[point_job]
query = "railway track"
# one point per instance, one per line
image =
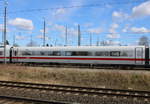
(23, 100)
(99, 92)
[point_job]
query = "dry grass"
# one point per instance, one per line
(91, 78)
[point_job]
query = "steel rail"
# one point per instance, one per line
(32, 100)
(80, 90)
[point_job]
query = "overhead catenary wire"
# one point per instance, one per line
(76, 6)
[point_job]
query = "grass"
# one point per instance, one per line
(139, 80)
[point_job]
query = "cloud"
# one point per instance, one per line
(64, 13)
(42, 37)
(125, 29)
(55, 27)
(60, 28)
(22, 23)
(141, 10)
(137, 11)
(87, 24)
(119, 15)
(139, 30)
(110, 42)
(73, 31)
(113, 36)
(95, 30)
(1, 27)
(113, 28)
(46, 30)
(59, 12)
(20, 37)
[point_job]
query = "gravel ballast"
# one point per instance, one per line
(66, 97)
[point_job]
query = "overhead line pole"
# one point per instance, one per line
(44, 34)
(31, 40)
(14, 39)
(5, 31)
(66, 37)
(79, 36)
(90, 39)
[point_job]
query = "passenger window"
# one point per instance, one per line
(24, 53)
(81, 53)
(68, 53)
(56, 53)
(50, 53)
(103, 53)
(124, 54)
(42, 53)
(115, 53)
(35, 53)
(139, 53)
(1, 52)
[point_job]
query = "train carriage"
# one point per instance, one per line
(112, 55)
(2, 53)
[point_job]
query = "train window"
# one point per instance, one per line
(139, 53)
(115, 53)
(83, 53)
(124, 53)
(68, 53)
(34, 53)
(78, 53)
(46, 53)
(50, 53)
(1, 52)
(56, 53)
(103, 53)
(42, 53)
(25, 53)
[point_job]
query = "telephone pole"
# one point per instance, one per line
(44, 34)
(5, 30)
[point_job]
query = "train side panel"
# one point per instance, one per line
(126, 55)
(2, 53)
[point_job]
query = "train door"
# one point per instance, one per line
(15, 55)
(147, 56)
(10, 55)
(139, 56)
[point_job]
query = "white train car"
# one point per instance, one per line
(118, 55)
(2, 53)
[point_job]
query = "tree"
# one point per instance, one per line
(144, 41)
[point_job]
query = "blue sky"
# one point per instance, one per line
(114, 22)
